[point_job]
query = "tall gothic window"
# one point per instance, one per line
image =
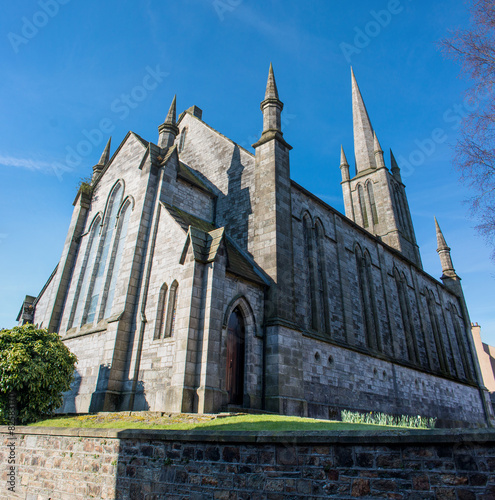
(116, 259)
(398, 206)
(96, 285)
(362, 205)
(310, 267)
(171, 310)
(407, 320)
(437, 333)
(182, 139)
(321, 292)
(366, 288)
(85, 276)
(460, 342)
(161, 319)
(371, 197)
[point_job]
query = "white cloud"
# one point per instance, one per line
(30, 164)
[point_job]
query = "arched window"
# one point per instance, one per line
(113, 271)
(460, 342)
(367, 292)
(406, 315)
(161, 313)
(236, 352)
(182, 139)
(437, 333)
(362, 206)
(171, 309)
(310, 269)
(103, 251)
(371, 197)
(321, 275)
(85, 276)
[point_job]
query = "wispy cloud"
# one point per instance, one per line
(27, 163)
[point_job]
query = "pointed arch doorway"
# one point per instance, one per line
(236, 335)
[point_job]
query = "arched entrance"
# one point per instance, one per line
(235, 358)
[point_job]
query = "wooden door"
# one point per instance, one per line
(235, 358)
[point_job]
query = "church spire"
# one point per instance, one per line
(168, 129)
(395, 167)
(271, 85)
(103, 160)
(363, 131)
(344, 165)
(444, 253)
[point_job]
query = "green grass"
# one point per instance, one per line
(241, 422)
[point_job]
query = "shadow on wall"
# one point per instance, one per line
(234, 208)
(99, 398)
(237, 203)
(140, 402)
(69, 404)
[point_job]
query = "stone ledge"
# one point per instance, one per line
(310, 437)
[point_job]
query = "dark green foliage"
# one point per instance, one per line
(35, 369)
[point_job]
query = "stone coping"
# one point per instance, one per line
(397, 437)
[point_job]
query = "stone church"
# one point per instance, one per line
(197, 276)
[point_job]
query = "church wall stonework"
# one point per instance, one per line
(332, 315)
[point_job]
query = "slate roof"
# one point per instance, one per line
(206, 239)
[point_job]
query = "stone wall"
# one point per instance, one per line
(79, 464)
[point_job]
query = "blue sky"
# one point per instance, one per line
(73, 71)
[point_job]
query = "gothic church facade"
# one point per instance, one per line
(199, 277)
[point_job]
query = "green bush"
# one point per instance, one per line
(35, 369)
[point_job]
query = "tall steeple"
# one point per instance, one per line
(375, 198)
(103, 160)
(444, 253)
(271, 246)
(364, 147)
(271, 206)
(168, 129)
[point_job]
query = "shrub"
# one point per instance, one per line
(35, 369)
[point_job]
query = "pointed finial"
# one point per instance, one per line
(168, 129)
(271, 108)
(376, 143)
(441, 243)
(380, 162)
(104, 159)
(271, 85)
(363, 131)
(344, 166)
(393, 162)
(395, 167)
(343, 159)
(172, 112)
(443, 251)
(106, 154)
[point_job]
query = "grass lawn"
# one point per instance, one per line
(240, 422)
